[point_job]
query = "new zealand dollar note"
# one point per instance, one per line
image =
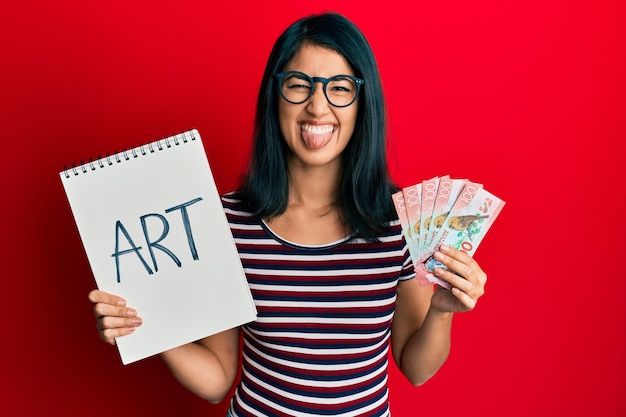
(412, 201)
(412, 198)
(447, 193)
(429, 195)
(465, 227)
(400, 205)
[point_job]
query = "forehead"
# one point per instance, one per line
(318, 61)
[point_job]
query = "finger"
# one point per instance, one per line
(110, 323)
(462, 264)
(456, 254)
(109, 335)
(454, 265)
(464, 298)
(455, 281)
(97, 296)
(102, 309)
(110, 328)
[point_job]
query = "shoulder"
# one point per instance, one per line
(231, 201)
(235, 210)
(394, 236)
(392, 230)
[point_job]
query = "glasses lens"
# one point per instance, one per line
(341, 90)
(296, 87)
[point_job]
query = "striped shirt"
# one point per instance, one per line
(320, 344)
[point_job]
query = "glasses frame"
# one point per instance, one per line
(279, 76)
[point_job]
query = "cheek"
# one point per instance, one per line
(348, 124)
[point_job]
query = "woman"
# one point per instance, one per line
(323, 252)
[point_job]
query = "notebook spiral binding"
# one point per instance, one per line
(125, 154)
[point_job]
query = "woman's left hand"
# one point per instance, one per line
(464, 275)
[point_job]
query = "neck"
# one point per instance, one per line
(314, 186)
(312, 215)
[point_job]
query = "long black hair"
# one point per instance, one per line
(365, 188)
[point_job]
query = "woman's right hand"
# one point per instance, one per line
(113, 318)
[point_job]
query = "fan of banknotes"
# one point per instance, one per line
(444, 211)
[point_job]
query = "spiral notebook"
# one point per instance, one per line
(155, 232)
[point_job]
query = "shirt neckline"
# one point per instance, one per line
(291, 244)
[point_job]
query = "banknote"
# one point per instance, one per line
(447, 193)
(400, 206)
(459, 216)
(412, 197)
(466, 195)
(469, 220)
(412, 202)
(429, 194)
(433, 200)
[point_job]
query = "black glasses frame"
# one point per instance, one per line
(357, 81)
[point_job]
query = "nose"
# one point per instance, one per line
(318, 105)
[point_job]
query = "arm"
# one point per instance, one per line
(423, 319)
(420, 335)
(207, 367)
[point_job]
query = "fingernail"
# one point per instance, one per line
(131, 313)
(130, 330)
(121, 303)
(137, 322)
(444, 248)
(438, 256)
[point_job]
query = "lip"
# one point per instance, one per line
(305, 125)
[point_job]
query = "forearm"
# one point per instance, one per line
(207, 371)
(428, 348)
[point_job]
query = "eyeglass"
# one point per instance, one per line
(297, 87)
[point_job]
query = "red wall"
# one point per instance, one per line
(525, 97)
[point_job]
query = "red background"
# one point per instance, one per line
(525, 97)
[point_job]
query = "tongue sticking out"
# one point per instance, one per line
(316, 138)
